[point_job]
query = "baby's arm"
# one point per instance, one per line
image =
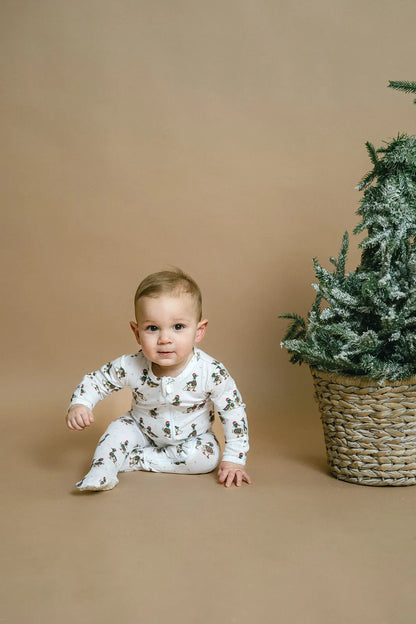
(79, 417)
(231, 411)
(93, 388)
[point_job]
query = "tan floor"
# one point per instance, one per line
(297, 546)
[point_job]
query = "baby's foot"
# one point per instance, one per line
(96, 483)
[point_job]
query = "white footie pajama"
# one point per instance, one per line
(124, 448)
(169, 426)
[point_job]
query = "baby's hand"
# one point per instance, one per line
(79, 417)
(228, 471)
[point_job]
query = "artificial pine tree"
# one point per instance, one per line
(364, 322)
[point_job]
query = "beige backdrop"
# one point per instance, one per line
(224, 137)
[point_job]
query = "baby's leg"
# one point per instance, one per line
(112, 454)
(196, 455)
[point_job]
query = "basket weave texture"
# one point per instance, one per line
(369, 428)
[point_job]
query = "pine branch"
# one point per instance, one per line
(403, 85)
(369, 177)
(372, 152)
(297, 329)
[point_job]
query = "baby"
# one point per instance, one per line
(175, 388)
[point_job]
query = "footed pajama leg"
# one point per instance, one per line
(112, 454)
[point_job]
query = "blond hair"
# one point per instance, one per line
(173, 282)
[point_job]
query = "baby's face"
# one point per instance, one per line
(167, 328)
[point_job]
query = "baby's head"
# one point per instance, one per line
(168, 308)
(174, 283)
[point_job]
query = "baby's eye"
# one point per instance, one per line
(179, 326)
(151, 328)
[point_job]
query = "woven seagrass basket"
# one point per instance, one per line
(369, 428)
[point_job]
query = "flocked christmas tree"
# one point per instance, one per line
(364, 322)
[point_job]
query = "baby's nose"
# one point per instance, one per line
(164, 337)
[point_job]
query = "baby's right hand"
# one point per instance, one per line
(79, 417)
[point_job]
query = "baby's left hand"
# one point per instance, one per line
(228, 472)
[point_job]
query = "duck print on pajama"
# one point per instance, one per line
(169, 425)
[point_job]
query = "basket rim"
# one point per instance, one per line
(360, 380)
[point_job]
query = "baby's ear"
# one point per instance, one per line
(200, 330)
(135, 330)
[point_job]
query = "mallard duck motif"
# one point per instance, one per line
(151, 384)
(237, 429)
(191, 385)
(108, 385)
(216, 378)
(150, 432)
(221, 370)
(224, 373)
(166, 430)
(195, 406)
(135, 456)
(97, 462)
(230, 405)
(208, 449)
(127, 420)
(137, 395)
(123, 447)
(236, 398)
(120, 372)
